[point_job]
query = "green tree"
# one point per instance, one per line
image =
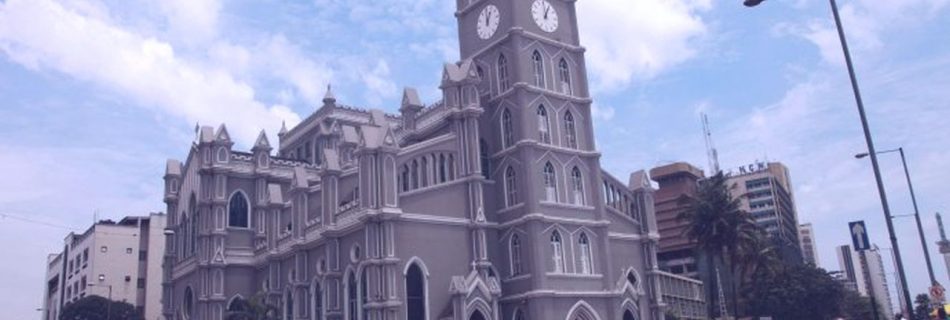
(720, 229)
(795, 292)
(856, 307)
(94, 307)
(922, 307)
(256, 308)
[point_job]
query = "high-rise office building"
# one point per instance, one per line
(806, 236)
(867, 273)
(677, 185)
(122, 259)
(765, 191)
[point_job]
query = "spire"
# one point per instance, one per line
(329, 98)
(283, 128)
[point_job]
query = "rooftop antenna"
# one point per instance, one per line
(711, 153)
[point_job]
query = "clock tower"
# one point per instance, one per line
(544, 185)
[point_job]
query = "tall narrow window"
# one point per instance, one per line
(538, 63)
(441, 168)
(519, 315)
(238, 213)
(317, 301)
(503, 84)
(188, 303)
(506, 129)
(557, 252)
(577, 186)
(570, 130)
(414, 174)
(485, 161)
(424, 179)
(451, 167)
(515, 255)
(564, 73)
(544, 126)
(584, 245)
(351, 301)
(364, 294)
(289, 305)
(195, 220)
(511, 188)
(405, 178)
(415, 293)
(550, 183)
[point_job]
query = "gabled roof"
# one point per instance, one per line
(640, 180)
(223, 134)
(261, 143)
(410, 98)
(173, 167)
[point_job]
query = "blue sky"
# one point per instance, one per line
(96, 94)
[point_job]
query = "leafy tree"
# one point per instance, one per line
(720, 229)
(256, 308)
(94, 307)
(856, 307)
(922, 307)
(795, 292)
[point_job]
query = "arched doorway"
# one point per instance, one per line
(627, 315)
(415, 293)
(477, 315)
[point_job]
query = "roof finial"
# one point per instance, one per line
(283, 128)
(329, 99)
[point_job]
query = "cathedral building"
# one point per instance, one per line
(488, 204)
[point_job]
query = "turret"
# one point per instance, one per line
(261, 151)
(222, 145)
(411, 106)
(172, 181)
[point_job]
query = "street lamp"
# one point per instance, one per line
(913, 198)
(102, 278)
(871, 151)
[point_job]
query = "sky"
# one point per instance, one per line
(95, 95)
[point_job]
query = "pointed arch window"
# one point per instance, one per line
(570, 130)
(352, 305)
(317, 301)
(628, 315)
(237, 305)
(557, 252)
(405, 178)
(544, 125)
(550, 183)
(424, 179)
(188, 303)
(516, 268)
(538, 64)
(415, 293)
(503, 84)
(511, 188)
(195, 220)
(414, 174)
(564, 73)
(506, 129)
(289, 305)
(577, 186)
(442, 168)
(583, 244)
(238, 212)
(485, 160)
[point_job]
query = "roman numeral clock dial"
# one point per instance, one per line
(544, 15)
(488, 21)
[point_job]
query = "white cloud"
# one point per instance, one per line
(193, 21)
(636, 40)
(44, 35)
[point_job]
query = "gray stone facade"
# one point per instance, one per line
(488, 204)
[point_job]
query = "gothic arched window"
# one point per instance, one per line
(565, 76)
(503, 84)
(317, 302)
(288, 305)
(442, 168)
(405, 178)
(585, 254)
(424, 179)
(352, 304)
(188, 303)
(506, 129)
(485, 160)
(544, 125)
(415, 293)
(414, 174)
(570, 130)
(515, 249)
(577, 186)
(511, 189)
(538, 63)
(557, 252)
(627, 315)
(550, 183)
(195, 220)
(238, 211)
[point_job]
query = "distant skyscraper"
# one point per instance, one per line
(867, 273)
(765, 191)
(806, 236)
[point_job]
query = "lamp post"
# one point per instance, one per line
(871, 151)
(109, 304)
(913, 198)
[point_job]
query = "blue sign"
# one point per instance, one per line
(859, 236)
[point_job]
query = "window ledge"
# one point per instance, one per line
(511, 208)
(566, 205)
(518, 277)
(573, 275)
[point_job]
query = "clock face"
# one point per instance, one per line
(544, 15)
(488, 21)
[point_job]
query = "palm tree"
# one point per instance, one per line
(718, 227)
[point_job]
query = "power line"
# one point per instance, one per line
(34, 221)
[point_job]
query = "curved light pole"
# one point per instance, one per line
(913, 198)
(109, 304)
(871, 151)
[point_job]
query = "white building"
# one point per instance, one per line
(123, 257)
(867, 272)
(806, 238)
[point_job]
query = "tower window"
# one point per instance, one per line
(565, 77)
(577, 186)
(515, 249)
(585, 254)
(238, 213)
(503, 84)
(538, 63)
(557, 252)
(570, 130)
(511, 190)
(317, 301)
(550, 183)
(351, 302)
(506, 128)
(544, 126)
(485, 161)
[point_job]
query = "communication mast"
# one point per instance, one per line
(711, 153)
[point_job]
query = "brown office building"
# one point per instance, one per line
(677, 183)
